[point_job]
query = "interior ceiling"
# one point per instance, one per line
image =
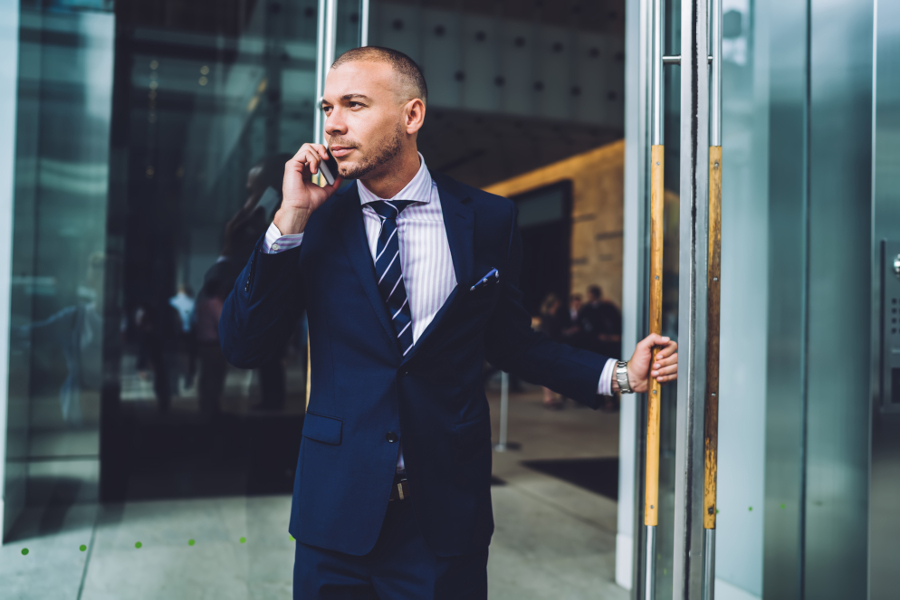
(607, 16)
(476, 148)
(226, 17)
(481, 149)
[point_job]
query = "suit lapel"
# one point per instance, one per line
(356, 243)
(459, 222)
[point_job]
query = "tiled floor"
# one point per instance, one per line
(552, 540)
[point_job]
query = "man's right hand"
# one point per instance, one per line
(301, 195)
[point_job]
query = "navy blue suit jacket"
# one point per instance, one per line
(362, 389)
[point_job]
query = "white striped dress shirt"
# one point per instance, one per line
(425, 258)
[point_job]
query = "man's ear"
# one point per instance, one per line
(414, 111)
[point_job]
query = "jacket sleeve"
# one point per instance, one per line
(261, 312)
(513, 346)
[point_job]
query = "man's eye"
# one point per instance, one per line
(326, 109)
(355, 104)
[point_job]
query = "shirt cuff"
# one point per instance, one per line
(604, 388)
(275, 242)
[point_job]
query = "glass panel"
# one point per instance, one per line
(121, 258)
(884, 519)
(348, 25)
(786, 296)
(211, 110)
(744, 293)
(59, 260)
(838, 422)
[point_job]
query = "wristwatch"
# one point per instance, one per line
(622, 378)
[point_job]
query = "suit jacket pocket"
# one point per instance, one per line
(322, 429)
(473, 454)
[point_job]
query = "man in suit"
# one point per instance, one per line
(409, 280)
(601, 320)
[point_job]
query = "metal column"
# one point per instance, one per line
(635, 278)
(325, 45)
(364, 23)
(692, 296)
(503, 444)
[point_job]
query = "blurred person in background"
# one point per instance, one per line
(575, 304)
(158, 329)
(78, 332)
(213, 366)
(574, 334)
(183, 303)
(556, 324)
(242, 232)
(601, 320)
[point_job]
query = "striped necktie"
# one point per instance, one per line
(387, 270)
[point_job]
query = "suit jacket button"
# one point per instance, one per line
(391, 437)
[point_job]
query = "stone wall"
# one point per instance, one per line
(597, 178)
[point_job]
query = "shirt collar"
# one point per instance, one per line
(417, 190)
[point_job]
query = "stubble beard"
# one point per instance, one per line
(388, 149)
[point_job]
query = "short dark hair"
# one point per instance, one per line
(594, 291)
(401, 63)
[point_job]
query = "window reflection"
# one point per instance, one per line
(77, 332)
(213, 115)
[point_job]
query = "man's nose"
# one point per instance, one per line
(335, 124)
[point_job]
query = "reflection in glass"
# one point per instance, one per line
(212, 109)
(59, 259)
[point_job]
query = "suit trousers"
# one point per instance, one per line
(399, 567)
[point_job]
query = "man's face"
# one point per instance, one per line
(365, 117)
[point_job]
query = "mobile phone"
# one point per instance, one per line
(329, 168)
(269, 201)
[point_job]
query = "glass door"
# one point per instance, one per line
(207, 112)
(526, 100)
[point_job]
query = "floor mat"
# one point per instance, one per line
(598, 475)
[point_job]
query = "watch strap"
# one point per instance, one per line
(622, 378)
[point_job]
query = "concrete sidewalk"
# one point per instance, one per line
(553, 539)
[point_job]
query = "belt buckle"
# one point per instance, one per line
(398, 488)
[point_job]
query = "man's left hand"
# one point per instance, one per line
(663, 369)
